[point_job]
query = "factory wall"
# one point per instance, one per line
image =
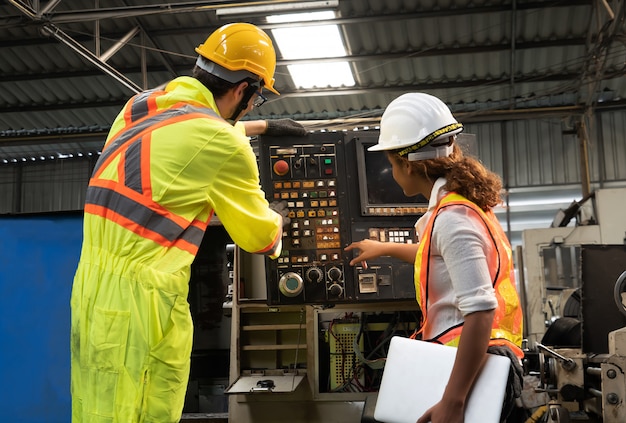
(539, 161)
(38, 258)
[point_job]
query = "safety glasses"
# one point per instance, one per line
(260, 99)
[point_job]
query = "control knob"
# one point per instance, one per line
(334, 274)
(314, 274)
(335, 290)
(290, 284)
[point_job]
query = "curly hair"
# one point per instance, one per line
(464, 175)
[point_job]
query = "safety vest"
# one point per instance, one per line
(126, 200)
(507, 323)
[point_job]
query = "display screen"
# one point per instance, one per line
(380, 194)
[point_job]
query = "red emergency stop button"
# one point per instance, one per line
(281, 167)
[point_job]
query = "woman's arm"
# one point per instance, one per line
(369, 249)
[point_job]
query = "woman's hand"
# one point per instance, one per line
(367, 249)
(443, 412)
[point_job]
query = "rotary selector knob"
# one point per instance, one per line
(334, 274)
(314, 274)
(335, 290)
(290, 284)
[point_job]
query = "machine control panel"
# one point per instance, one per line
(307, 176)
(319, 178)
(385, 278)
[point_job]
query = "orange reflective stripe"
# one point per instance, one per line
(158, 120)
(141, 219)
(136, 197)
(128, 201)
(452, 336)
(144, 164)
(141, 105)
(422, 266)
(271, 246)
(140, 230)
(505, 342)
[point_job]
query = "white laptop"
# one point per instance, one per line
(416, 374)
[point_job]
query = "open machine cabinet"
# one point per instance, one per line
(309, 330)
(305, 362)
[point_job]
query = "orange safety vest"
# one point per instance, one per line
(128, 201)
(507, 323)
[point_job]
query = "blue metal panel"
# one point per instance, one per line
(38, 258)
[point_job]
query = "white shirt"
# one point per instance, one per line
(461, 273)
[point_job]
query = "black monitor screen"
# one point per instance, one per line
(379, 192)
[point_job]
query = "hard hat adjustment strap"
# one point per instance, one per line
(439, 151)
(430, 137)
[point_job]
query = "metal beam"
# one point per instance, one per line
(48, 8)
(118, 45)
(61, 36)
(147, 36)
(453, 51)
(209, 6)
(28, 107)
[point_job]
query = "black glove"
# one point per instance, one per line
(516, 379)
(278, 127)
(280, 207)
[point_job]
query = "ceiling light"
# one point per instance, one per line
(312, 42)
(322, 75)
(275, 8)
(303, 42)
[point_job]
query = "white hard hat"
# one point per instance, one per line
(415, 120)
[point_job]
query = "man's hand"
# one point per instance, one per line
(282, 127)
(280, 207)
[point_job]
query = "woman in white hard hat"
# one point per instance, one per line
(464, 276)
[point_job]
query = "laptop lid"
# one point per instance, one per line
(415, 376)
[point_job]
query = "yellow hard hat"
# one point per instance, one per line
(242, 47)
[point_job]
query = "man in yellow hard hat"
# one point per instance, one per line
(172, 159)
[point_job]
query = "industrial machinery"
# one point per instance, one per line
(310, 332)
(337, 192)
(576, 314)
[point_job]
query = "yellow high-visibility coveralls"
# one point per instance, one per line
(169, 162)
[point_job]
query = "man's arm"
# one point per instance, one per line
(254, 127)
(274, 127)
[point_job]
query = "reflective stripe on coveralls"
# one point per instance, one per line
(131, 328)
(507, 322)
(128, 202)
(142, 104)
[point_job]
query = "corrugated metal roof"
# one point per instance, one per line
(478, 55)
